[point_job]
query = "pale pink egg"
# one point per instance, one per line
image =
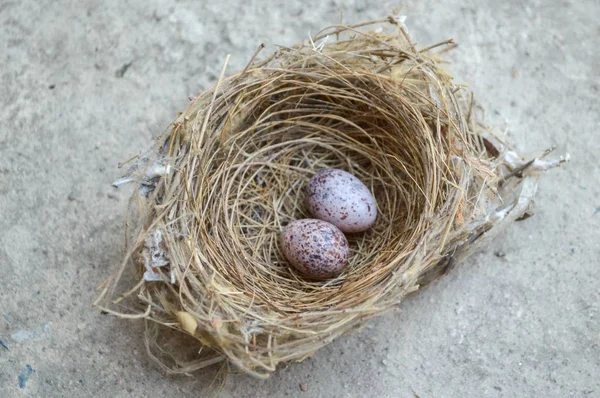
(315, 248)
(341, 199)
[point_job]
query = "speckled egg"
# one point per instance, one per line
(315, 248)
(340, 198)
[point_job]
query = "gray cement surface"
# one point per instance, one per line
(86, 84)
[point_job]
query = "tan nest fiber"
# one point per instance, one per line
(231, 172)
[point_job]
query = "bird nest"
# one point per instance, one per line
(231, 171)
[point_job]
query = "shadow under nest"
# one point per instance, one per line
(203, 256)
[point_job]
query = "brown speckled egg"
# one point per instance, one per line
(340, 198)
(315, 248)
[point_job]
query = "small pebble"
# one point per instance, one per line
(187, 322)
(24, 376)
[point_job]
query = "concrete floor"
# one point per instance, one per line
(521, 318)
